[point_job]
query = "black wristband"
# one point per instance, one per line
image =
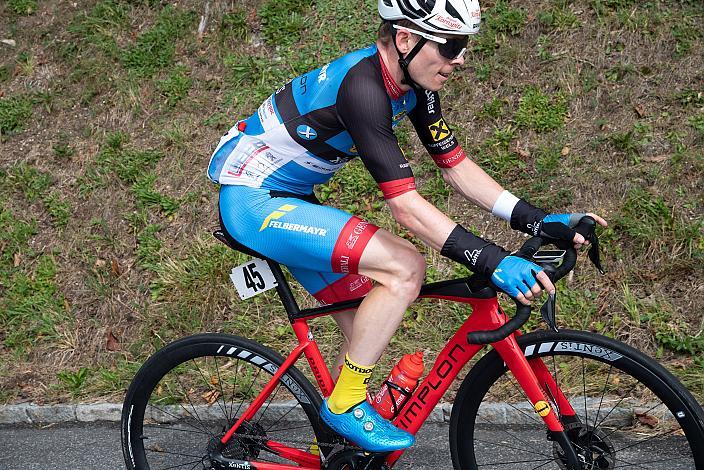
(477, 254)
(527, 218)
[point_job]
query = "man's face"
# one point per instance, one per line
(431, 70)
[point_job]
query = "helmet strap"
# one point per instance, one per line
(404, 61)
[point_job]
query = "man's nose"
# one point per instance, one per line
(459, 60)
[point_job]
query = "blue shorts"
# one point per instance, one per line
(321, 246)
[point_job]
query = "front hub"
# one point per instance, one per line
(593, 447)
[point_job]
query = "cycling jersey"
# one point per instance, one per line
(312, 126)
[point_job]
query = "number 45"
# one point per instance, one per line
(252, 278)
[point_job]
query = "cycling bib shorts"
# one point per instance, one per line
(320, 245)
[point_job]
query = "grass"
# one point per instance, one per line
(23, 7)
(111, 110)
(175, 86)
(155, 48)
(540, 111)
(129, 164)
(15, 112)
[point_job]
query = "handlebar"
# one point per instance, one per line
(586, 228)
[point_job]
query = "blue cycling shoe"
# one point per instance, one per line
(366, 428)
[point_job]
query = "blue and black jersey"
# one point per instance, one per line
(315, 124)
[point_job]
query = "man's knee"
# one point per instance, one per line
(408, 272)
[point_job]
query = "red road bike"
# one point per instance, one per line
(545, 400)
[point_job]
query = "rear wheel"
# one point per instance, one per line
(631, 412)
(188, 394)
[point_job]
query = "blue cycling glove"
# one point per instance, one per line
(515, 275)
(534, 221)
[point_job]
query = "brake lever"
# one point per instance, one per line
(593, 253)
(548, 312)
(587, 227)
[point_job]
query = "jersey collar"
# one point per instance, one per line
(392, 88)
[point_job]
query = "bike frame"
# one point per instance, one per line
(532, 376)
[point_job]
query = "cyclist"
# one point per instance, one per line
(309, 128)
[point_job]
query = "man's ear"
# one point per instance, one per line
(404, 41)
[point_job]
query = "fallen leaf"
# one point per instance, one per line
(565, 151)
(649, 420)
(17, 259)
(115, 268)
(657, 158)
(112, 343)
(9, 42)
(640, 110)
(211, 396)
(214, 380)
(99, 263)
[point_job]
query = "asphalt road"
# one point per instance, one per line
(97, 447)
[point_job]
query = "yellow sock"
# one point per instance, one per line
(351, 386)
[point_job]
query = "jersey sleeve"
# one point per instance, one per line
(364, 109)
(434, 131)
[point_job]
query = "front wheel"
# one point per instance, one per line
(630, 412)
(188, 394)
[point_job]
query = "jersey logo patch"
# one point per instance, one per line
(439, 130)
(277, 214)
(306, 132)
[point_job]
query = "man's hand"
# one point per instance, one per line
(561, 227)
(521, 279)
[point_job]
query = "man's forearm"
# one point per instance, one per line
(422, 218)
(473, 183)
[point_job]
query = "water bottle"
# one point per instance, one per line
(400, 384)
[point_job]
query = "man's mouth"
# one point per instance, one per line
(446, 75)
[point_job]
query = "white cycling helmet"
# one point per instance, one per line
(456, 17)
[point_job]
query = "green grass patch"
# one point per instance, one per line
(155, 48)
(493, 109)
(503, 18)
(233, 25)
(148, 247)
(283, 21)
(15, 112)
(128, 164)
(58, 208)
(147, 196)
(73, 381)
(685, 32)
(559, 17)
(100, 27)
(652, 223)
(32, 307)
(697, 123)
(541, 112)
(23, 7)
(175, 86)
(495, 155)
(253, 78)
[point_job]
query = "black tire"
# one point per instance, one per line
(194, 389)
(635, 413)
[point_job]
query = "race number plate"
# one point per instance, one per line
(252, 278)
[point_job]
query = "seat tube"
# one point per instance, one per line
(513, 356)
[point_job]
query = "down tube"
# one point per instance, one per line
(450, 361)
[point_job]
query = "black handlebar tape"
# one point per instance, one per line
(492, 336)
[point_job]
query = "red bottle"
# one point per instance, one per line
(405, 375)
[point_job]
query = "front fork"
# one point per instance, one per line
(530, 376)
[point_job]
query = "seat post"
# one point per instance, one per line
(284, 290)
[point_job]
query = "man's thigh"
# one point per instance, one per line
(319, 244)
